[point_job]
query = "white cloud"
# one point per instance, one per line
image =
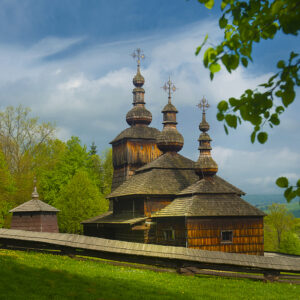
(89, 94)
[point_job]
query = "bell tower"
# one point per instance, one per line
(136, 145)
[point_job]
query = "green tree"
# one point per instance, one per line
(7, 189)
(245, 23)
(79, 199)
(278, 224)
(93, 149)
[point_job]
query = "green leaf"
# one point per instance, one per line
(262, 137)
(253, 135)
(201, 46)
(223, 5)
(282, 182)
(226, 129)
(281, 64)
(244, 62)
(223, 22)
(298, 183)
(209, 4)
(214, 68)
(274, 119)
(288, 194)
(222, 106)
(231, 120)
(279, 109)
(288, 96)
(220, 116)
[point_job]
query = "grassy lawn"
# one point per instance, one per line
(44, 276)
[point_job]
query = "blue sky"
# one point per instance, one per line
(70, 62)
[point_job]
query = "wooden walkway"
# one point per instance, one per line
(168, 256)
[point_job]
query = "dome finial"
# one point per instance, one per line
(170, 88)
(34, 194)
(138, 54)
(205, 166)
(138, 115)
(169, 140)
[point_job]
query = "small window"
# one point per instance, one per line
(169, 235)
(226, 236)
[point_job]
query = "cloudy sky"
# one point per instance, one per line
(69, 61)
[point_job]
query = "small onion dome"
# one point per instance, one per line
(138, 79)
(205, 166)
(169, 140)
(139, 115)
(169, 113)
(170, 108)
(203, 126)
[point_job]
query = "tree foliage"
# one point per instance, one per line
(29, 148)
(280, 230)
(78, 200)
(245, 23)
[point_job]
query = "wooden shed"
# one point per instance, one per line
(35, 215)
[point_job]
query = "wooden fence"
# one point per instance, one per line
(184, 260)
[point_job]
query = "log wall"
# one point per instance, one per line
(248, 234)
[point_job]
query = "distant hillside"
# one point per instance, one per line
(262, 202)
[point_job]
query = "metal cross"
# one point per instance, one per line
(138, 53)
(203, 104)
(170, 88)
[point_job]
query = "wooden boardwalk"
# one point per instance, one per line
(147, 253)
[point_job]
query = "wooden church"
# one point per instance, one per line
(161, 197)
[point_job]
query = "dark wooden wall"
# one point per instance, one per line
(248, 234)
(35, 221)
(119, 232)
(176, 224)
(129, 206)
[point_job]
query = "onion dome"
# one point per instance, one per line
(138, 115)
(169, 140)
(205, 165)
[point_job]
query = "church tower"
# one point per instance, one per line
(136, 145)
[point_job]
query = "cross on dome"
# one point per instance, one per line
(203, 104)
(170, 88)
(138, 53)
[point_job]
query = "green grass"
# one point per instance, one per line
(44, 276)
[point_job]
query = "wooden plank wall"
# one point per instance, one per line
(126, 206)
(35, 221)
(128, 156)
(152, 205)
(248, 234)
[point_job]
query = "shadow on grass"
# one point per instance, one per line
(19, 281)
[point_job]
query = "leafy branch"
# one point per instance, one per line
(245, 23)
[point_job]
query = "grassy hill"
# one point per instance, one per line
(43, 276)
(263, 201)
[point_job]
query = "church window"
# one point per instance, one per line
(169, 235)
(226, 236)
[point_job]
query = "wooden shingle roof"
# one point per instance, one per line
(167, 175)
(137, 132)
(209, 205)
(110, 218)
(211, 185)
(34, 206)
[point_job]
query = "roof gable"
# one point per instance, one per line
(34, 206)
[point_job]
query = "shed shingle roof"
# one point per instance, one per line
(167, 175)
(34, 206)
(110, 218)
(209, 205)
